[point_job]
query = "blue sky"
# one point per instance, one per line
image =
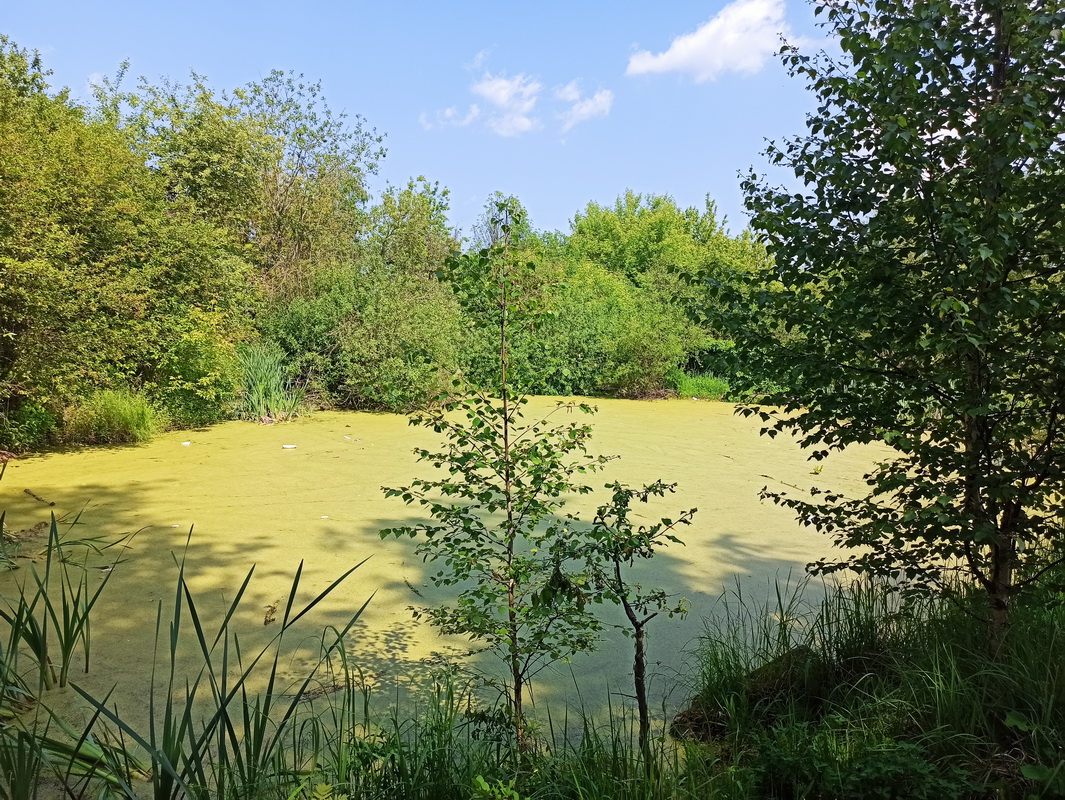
(557, 103)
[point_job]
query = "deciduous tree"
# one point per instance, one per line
(498, 530)
(919, 271)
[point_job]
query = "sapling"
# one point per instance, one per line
(498, 530)
(610, 551)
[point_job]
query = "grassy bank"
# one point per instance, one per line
(869, 695)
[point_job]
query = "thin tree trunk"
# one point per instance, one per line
(639, 675)
(517, 677)
(1003, 557)
(639, 665)
(518, 704)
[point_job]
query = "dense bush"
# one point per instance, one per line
(195, 379)
(28, 427)
(307, 327)
(400, 350)
(601, 335)
(374, 339)
(103, 282)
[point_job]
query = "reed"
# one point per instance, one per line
(267, 393)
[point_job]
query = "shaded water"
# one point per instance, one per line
(254, 502)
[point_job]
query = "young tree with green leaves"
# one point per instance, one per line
(920, 276)
(610, 550)
(498, 530)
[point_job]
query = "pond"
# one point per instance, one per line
(251, 498)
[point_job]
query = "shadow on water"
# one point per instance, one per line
(255, 503)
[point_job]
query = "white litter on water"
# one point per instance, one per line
(288, 447)
(347, 437)
(185, 444)
(323, 517)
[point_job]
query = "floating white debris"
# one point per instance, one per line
(185, 444)
(324, 517)
(348, 438)
(288, 447)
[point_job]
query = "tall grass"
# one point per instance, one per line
(114, 416)
(855, 693)
(267, 394)
(701, 387)
(864, 694)
(50, 624)
(324, 737)
(448, 746)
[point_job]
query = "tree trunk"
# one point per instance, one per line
(1000, 586)
(639, 675)
(517, 706)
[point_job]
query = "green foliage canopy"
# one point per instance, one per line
(101, 284)
(921, 273)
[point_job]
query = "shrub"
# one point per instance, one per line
(197, 376)
(373, 339)
(113, 416)
(653, 343)
(29, 427)
(400, 350)
(603, 335)
(307, 327)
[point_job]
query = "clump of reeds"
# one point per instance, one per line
(267, 393)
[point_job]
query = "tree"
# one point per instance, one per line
(208, 153)
(487, 230)
(612, 547)
(919, 273)
(314, 180)
(644, 234)
(270, 162)
(410, 230)
(498, 530)
(103, 284)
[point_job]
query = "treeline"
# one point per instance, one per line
(183, 255)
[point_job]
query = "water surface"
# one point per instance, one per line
(250, 501)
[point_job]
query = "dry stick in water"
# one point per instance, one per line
(37, 497)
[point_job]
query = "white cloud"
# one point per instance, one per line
(598, 105)
(449, 117)
(738, 39)
(569, 93)
(512, 100)
(507, 105)
(479, 59)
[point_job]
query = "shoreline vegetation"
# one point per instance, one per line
(847, 692)
(176, 255)
(173, 257)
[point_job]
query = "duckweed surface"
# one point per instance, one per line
(310, 490)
